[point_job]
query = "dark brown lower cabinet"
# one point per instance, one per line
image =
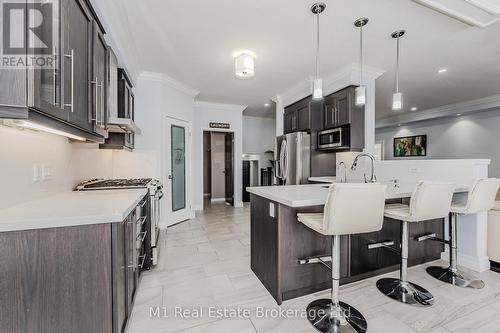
(278, 242)
(71, 279)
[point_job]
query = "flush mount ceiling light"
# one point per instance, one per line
(244, 64)
(397, 97)
(414, 108)
(361, 90)
(266, 105)
(442, 70)
(317, 9)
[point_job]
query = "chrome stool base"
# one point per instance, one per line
(347, 320)
(458, 278)
(405, 292)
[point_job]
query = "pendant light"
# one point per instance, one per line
(361, 90)
(317, 9)
(397, 98)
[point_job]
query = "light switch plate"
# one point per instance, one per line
(271, 209)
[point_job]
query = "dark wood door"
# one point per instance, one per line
(78, 28)
(288, 120)
(100, 69)
(329, 112)
(304, 118)
(119, 276)
(229, 166)
(45, 93)
(344, 107)
(131, 262)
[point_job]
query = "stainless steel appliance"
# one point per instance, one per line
(292, 158)
(155, 194)
(335, 138)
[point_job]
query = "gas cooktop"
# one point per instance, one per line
(104, 184)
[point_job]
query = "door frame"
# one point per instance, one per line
(174, 217)
(235, 161)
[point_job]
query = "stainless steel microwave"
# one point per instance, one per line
(335, 138)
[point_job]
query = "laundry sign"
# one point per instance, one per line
(220, 125)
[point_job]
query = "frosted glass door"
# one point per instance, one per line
(178, 163)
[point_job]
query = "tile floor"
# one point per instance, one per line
(205, 264)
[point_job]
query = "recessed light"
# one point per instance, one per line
(399, 125)
(459, 114)
(266, 105)
(442, 70)
(414, 108)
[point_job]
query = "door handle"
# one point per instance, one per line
(72, 93)
(54, 74)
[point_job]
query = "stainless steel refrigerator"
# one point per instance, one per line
(292, 155)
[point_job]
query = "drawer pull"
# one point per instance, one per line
(141, 220)
(380, 244)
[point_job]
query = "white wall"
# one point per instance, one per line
(157, 97)
(70, 163)
(258, 134)
(472, 136)
(215, 112)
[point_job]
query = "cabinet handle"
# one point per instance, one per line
(141, 220)
(102, 104)
(54, 73)
(72, 93)
(96, 92)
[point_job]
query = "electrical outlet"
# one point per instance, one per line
(271, 209)
(414, 170)
(46, 172)
(36, 172)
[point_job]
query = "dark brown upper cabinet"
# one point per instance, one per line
(100, 80)
(60, 96)
(297, 117)
(338, 108)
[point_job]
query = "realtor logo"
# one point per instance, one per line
(28, 33)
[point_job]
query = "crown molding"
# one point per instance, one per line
(219, 106)
(450, 110)
(163, 78)
(346, 76)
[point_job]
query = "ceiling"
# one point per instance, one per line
(193, 42)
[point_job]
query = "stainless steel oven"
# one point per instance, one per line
(335, 138)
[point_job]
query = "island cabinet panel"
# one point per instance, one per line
(264, 244)
(56, 280)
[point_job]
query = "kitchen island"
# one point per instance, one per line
(278, 240)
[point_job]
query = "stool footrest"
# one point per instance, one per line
(323, 260)
(431, 237)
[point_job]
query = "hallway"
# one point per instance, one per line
(205, 263)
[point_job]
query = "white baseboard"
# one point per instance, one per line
(238, 204)
(476, 264)
(217, 199)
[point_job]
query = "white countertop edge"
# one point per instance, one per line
(31, 223)
(260, 191)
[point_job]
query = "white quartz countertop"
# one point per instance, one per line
(71, 209)
(315, 194)
(325, 179)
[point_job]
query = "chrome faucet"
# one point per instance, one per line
(373, 178)
(345, 172)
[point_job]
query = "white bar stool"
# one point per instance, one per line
(481, 198)
(430, 200)
(349, 209)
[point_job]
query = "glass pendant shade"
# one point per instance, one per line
(318, 88)
(397, 101)
(244, 66)
(361, 95)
